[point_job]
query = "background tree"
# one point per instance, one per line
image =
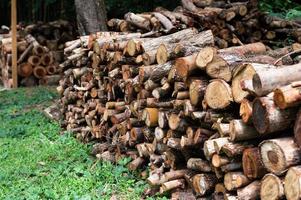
(91, 16)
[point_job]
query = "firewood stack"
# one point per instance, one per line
(40, 50)
(205, 122)
(232, 24)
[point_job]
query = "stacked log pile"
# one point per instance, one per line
(198, 121)
(40, 50)
(232, 23)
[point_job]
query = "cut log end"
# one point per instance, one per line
(162, 54)
(271, 188)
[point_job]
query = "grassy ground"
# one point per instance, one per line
(36, 162)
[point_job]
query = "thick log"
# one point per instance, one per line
(288, 96)
(252, 165)
(245, 72)
(239, 131)
(235, 180)
(271, 188)
(268, 118)
(266, 81)
(250, 192)
(47, 59)
(204, 183)
(167, 52)
(278, 155)
(218, 94)
(39, 72)
(25, 69)
(292, 183)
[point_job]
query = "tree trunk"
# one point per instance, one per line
(91, 16)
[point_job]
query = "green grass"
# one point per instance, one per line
(36, 162)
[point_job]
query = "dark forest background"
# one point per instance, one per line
(48, 10)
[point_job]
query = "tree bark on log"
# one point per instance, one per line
(268, 118)
(265, 82)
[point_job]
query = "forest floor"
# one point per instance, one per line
(37, 161)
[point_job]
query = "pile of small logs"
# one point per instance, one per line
(40, 50)
(198, 121)
(232, 24)
(53, 34)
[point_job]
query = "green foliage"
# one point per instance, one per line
(287, 9)
(39, 163)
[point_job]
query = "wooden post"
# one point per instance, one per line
(14, 42)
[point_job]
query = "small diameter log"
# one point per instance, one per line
(204, 183)
(204, 57)
(175, 122)
(252, 166)
(278, 155)
(150, 116)
(272, 187)
(34, 60)
(250, 192)
(222, 128)
(39, 72)
(239, 131)
(265, 82)
(156, 179)
(161, 91)
(170, 185)
(297, 129)
(47, 59)
(218, 160)
(51, 69)
(135, 164)
(218, 94)
(184, 66)
(246, 110)
(199, 165)
(51, 80)
(288, 96)
(268, 118)
(38, 50)
(235, 180)
(162, 119)
(231, 167)
(25, 69)
(292, 183)
(234, 149)
(197, 90)
(209, 148)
